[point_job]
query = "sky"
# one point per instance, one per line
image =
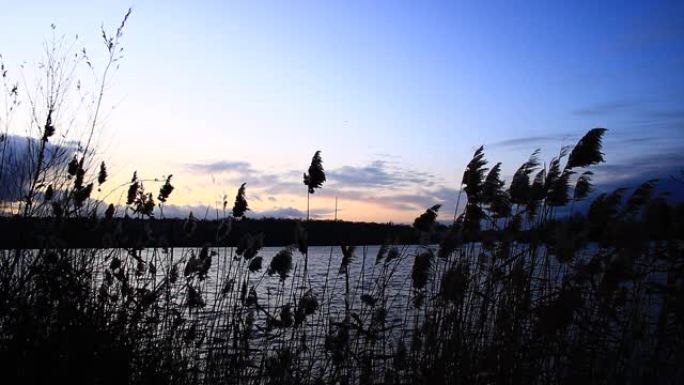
(396, 94)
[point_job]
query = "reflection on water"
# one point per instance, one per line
(229, 271)
(229, 285)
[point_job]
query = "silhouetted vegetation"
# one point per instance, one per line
(21, 232)
(521, 289)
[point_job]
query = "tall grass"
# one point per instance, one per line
(518, 290)
(515, 293)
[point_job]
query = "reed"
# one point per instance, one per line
(516, 291)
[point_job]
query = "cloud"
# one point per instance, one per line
(634, 155)
(389, 186)
(183, 211)
(292, 213)
(222, 166)
(664, 112)
(670, 114)
(19, 154)
(640, 167)
(635, 177)
(530, 142)
(383, 183)
(281, 212)
(259, 183)
(607, 108)
(404, 200)
(378, 173)
(210, 212)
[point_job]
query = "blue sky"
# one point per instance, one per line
(396, 94)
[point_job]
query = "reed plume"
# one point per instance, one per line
(422, 266)
(102, 174)
(520, 189)
(587, 152)
(583, 186)
(427, 219)
(493, 185)
(313, 179)
(132, 188)
(640, 197)
(281, 264)
(240, 206)
(316, 176)
(474, 174)
(165, 190)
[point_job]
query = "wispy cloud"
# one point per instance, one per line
(672, 114)
(222, 166)
(183, 211)
(658, 112)
(404, 200)
(281, 212)
(654, 165)
(210, 212)
(607, 108)
(383, 183)
(291, 212)
(379, 173)
(633, 155)
(530, 142)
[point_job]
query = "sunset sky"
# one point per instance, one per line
(396, 94)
